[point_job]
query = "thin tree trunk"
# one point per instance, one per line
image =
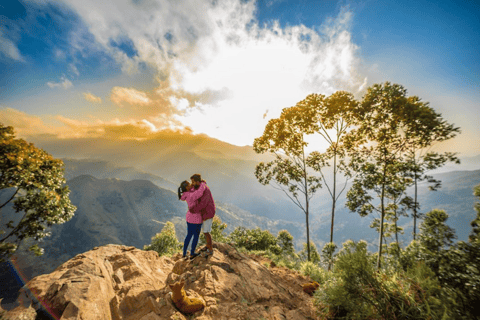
(308, 235)
(334, 200)
(380, 240)
(382, 199)
(306, 203)
(415, 208)
(334, 194)
(396, 229)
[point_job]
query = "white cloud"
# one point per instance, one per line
(64, 83)
(9, 49)
(73, 68)
(91, 97)
(204, 46)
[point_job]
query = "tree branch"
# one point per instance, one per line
(14, 230)
(3, 205)
(294, 200)
(346, 181)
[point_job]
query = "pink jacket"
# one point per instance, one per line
(191, 198)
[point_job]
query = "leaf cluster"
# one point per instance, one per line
(37, 190)
(165, 242)
(254, 239)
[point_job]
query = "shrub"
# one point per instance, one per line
(314, 256)
(285, 242)
(358, 291)
(315, 272)
(253, 239)
(165, 242)
(327, 254)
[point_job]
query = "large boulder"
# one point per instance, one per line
(118, 282)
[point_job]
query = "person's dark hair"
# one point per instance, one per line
(196, 177)
(182, 188)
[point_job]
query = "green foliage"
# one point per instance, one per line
(435, 233)
(385, 150)
(217, 233)
(455, 265)
(35, 183)
(327, 255)
(474, 237)
(316, 273)
(218, 228)
(285, 242)
(314, 255)
(290, 261)
(459, 275)
(289, 171)
(357, 291)
(254, 239)
(165, 242)
(333, 117)
(435, 237)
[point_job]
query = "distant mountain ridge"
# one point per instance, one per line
(101, 169)
(170, 159)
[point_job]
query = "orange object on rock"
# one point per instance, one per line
(185, 304)
(310, 287)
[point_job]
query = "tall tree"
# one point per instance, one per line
(422, 118)
(333, 117)
(34, 184)
(284, 137)
(379, 145)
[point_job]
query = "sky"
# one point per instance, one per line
(130, 68)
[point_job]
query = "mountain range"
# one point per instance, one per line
(175, 157)
(126, 191)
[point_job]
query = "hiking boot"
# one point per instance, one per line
(194, 255)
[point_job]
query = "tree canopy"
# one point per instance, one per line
(390, 126)
(285, 138)
(32, 186)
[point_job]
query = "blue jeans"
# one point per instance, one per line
(192, 230)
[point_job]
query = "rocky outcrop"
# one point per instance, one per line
(118, 282)
(111, 211)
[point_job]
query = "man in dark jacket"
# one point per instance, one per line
(206, 206)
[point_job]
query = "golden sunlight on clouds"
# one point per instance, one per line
(131, 96)
(24, 124)
(59, 127)
(91, 97)
(219, 69)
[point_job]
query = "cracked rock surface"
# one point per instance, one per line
(118, 282)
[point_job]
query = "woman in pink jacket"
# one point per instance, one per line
(187, 193)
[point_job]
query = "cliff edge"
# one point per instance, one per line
(118, 282)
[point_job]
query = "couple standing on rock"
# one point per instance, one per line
(201, 210)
